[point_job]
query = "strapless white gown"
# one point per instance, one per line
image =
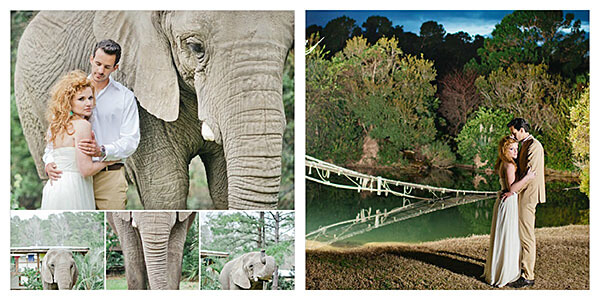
(502, 264)
(71, 191)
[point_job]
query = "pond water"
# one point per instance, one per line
(327, 205)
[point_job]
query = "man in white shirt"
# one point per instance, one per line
(115, 125)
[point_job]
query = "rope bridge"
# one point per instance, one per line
(366, 220)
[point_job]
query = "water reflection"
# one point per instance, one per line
(327, 205)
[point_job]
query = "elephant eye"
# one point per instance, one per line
(196, 48)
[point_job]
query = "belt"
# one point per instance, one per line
(113, 167)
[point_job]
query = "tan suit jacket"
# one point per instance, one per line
(531, 155)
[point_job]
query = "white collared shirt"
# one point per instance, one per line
(115, 122)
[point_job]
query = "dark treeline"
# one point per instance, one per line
(449, 51)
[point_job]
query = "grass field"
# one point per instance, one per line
(120, 283)
(563, 255)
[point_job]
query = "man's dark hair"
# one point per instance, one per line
(109, 47)
(519, 123)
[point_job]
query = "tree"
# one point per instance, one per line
(383, 92)
(537, 37)
(579, 136)
(458, 98)
(377, 27)
(544, 99)
(337, 31)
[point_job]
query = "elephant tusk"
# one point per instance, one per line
(207, 133)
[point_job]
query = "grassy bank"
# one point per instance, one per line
(562, 263)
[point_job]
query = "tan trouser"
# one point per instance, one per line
(527, 236)
(110, 189)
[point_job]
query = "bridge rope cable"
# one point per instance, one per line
(365, 221)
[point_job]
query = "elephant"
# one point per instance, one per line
(152, 244)
(59, 271)
(247, 272)
(208, 84)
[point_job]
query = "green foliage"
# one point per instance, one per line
(91, 270)
(579, 136)
(190, 266)
(332, 130)
(438, 154)
(369, 89)
(114, 259)
(480, 136)
(34, 279)
(544, 100)
(210, 273)
(60, 229)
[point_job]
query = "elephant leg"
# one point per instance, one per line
(135, 266)
(175, 253)
(216, 174)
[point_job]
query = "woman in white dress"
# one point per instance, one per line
(70, 109)
(502, 263)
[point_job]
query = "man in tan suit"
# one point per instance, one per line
(531, 156)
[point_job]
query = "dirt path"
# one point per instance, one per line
(562, 263)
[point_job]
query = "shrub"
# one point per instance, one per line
(579, 136)
(480, 136)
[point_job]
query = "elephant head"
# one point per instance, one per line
(152, 244)
(59, 270)
(232, 63)
(208, 83)
(248, 271)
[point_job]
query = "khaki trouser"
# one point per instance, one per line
(527, 235)
(110, 189)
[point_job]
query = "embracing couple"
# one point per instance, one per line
(511, 257)
(93, 128)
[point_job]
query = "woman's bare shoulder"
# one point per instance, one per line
(82, 126)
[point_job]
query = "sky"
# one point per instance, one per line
(474, 22)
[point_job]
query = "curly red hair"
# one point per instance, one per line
(503, 155)
(59, 111)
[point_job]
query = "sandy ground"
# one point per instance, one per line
(562, 263)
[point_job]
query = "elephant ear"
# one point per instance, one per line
(183, 215)
(46, 273)
(123, 215)
(74, 274)
(146, 57)
(239, 275)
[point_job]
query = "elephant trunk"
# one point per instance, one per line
(253, 155)
(63, 277)
(252, 123)
(154, 232)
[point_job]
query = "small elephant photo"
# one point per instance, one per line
(59, 270)
(247, 250)
(156, 250)
(56, 250)
(247, 272)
